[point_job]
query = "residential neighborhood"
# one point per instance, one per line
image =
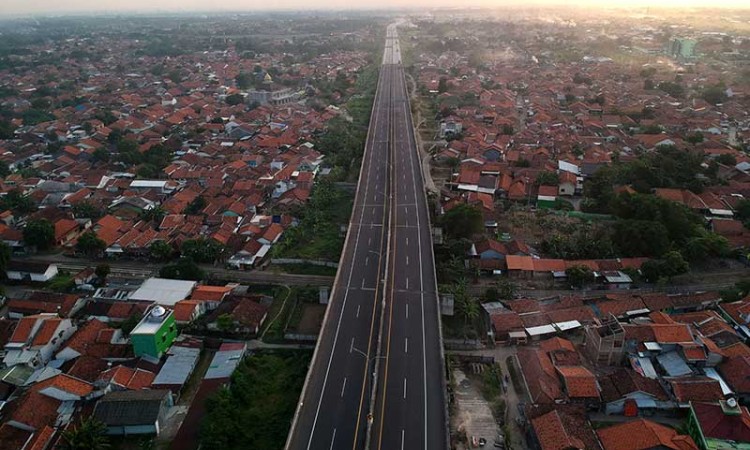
(178, 196)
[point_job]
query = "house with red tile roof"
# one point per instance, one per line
(123, 378)
(642, 434)
(96, 338)
(66, 231)
(719, 424)
(736, 372)
(561, 427)
(42, 404)
(579, 383)
(38, 302)
(695, 389)
(185, 311)
(36, 339)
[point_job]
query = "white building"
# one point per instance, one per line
(36, 339)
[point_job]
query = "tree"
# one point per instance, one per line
(463, 221)
(670, 265)
(155, 214)
(578, 276)
(705, 246)
(161, 251)
(641, 237)
(102, 271)
(671, 88)
(726, 159)
(202, 250)
(225, 322)
(443, 85)
(714, 94)
(39, 233)
(183, 269)
(86, 209)
(235, 99)
(467, 306)
(88, 435)
(695, 138)
(4, 169)
(16, 201)
(4, 258)
(547, 178)
(90, 244)
(195, 206)
(244, 80)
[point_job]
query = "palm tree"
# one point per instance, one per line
(466, 305)
(89, 435)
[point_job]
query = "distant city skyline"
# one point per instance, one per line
(20, 7)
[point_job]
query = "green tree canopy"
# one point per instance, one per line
(183, 269)
(235, 99)
(4, 258)
(87, 210)
(90, 244)
(641, 237)
(17, 202)
(547, 178)
(161, 251)
(202, 250)
(579, 275)
(102, 271)
(39, 233)
(463, 221)
(88, 435)
(670, 265)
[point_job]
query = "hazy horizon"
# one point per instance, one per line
(52, 7)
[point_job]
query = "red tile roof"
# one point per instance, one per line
(736, 372)
(552, 435)
(717, 425)
(696, 389)
(210, 293)
(579, 382)
(643, 434)
(46, 331)
(71, 385)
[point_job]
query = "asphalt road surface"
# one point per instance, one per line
(409, 410)
(381, 330)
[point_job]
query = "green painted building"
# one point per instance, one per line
(155, 333)
(720, 426)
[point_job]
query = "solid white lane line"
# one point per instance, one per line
(343, 386)
(404, 387)
(357, 315)
(333, 439)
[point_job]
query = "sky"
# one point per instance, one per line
(14, 7)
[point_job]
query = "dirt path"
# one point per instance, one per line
(512, 398)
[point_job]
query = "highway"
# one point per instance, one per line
(409, 409)
(377, 376)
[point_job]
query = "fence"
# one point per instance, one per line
(283, 261)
